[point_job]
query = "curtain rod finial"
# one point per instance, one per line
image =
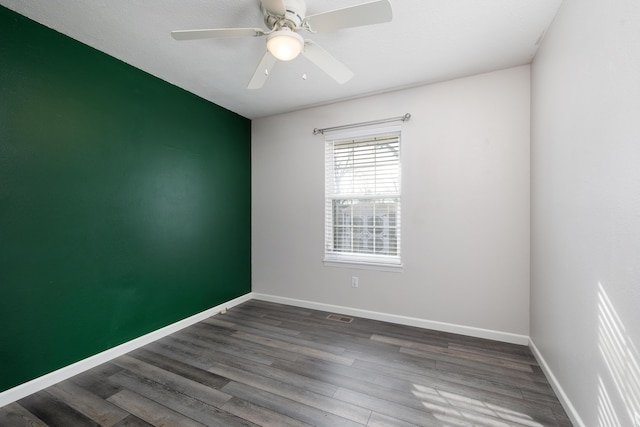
(317, 131)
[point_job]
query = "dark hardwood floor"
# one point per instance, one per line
(276, 365)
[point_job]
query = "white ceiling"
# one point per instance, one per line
(427, 41)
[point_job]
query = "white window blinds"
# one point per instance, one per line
(362, 198)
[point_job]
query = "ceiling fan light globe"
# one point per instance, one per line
(285, 44)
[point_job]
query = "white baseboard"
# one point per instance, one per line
(557, 388)
(35, 385)
(69, 371)
(402, 320)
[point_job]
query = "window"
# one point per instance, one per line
(362, 197)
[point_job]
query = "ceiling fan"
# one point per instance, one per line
(284, 19)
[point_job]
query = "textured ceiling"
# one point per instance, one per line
(427, 41)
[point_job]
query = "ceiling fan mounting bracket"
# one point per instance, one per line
(295, 11)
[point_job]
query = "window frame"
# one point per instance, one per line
(358, 259)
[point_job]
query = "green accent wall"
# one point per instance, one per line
(125, 202)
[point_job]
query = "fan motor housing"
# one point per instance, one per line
(295, 11)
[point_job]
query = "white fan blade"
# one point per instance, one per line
(216, 33)
(275, 7)
(262, 72)
(326, 62)
(374, 12)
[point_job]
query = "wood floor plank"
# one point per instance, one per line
(132, 421)
(259, 415)
(421, 383)
(289, 339)
(397, 360)
(453, 405)
(53, 412)
(14, 415)
(173, 381)
(381, 420)
(95, 380)
(207, 413)
(300, 392)
(273, 307)
(191, 357)
(385, 388)
(150, 411)
(383, 406)
(434, 353)
(417, 348)
(177, 367)
(266, 325)
(288, 407)
(412, 376)
(218, 321)
(256, 374)
(473, 382)
(87, 403)
(195, 352)
(295, 348)
(521, 357)
(277, 365)
(236, 346)
(505, 377)
(320, 324)
(463, 365)
(341, 376)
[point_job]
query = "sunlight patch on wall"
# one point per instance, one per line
(621, 358)
(606, 412)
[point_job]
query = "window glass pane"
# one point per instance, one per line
(365, 226)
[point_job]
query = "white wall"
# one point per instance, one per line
(465, 212)
(585, 298)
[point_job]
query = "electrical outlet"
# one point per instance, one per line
(354, 282)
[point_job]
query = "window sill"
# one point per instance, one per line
(396, 268)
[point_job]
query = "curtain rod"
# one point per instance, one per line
(372, 122)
